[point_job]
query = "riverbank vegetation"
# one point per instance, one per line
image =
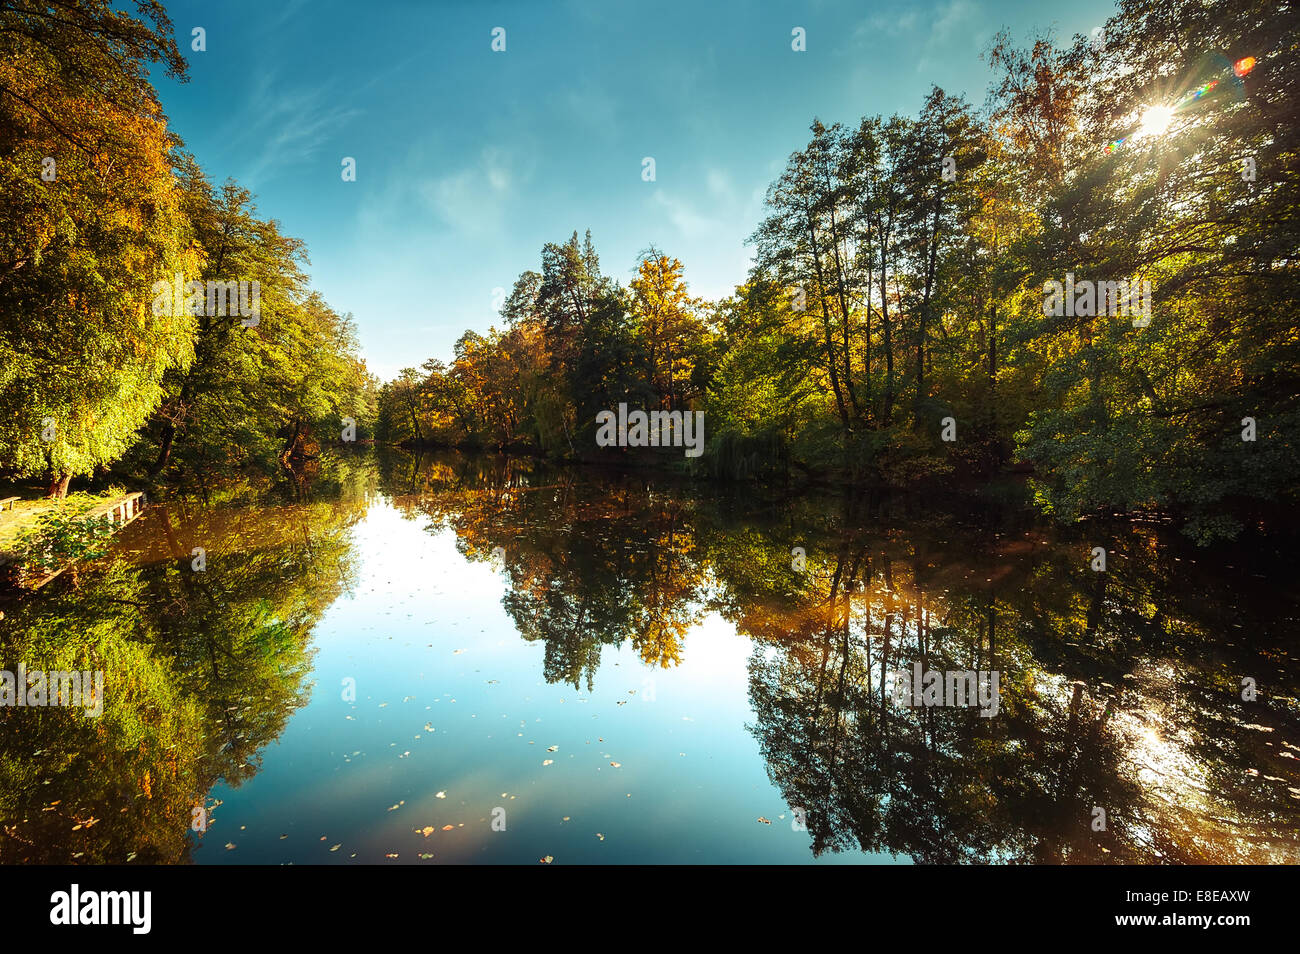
(893, 326)
(892, 329)
(99, 202)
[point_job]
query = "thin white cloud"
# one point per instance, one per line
(684, 216)
(288, 127)
(473, 200)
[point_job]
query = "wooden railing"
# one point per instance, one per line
(120, 511)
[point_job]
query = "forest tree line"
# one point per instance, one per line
(100, 201)
(898, 289)
(891, 329)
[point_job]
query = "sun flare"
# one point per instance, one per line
(1156, 120)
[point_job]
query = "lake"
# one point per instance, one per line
(481, 659)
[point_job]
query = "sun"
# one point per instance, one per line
(1156, 120)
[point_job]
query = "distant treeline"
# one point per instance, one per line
(894, 325)
(100, 209)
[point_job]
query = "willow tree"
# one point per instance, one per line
(90, 218)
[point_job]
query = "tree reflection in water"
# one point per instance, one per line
(1120, 691)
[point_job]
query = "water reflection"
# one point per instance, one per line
(204, 670)
(1121, 692)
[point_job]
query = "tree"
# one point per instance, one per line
(82, 353)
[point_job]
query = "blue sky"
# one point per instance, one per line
(468, 161)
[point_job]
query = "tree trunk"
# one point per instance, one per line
(889, 344)
(59, 485)
(165, 448)
(831, 363)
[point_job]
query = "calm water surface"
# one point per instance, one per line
(465, 659)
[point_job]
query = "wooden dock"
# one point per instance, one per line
(117, 513)
(120, 511)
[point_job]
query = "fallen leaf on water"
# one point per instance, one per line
(616, 764)
(544, 762)
(600, 836)
(546, 860)
(551, 748)
(440, 795)
(765, 821)
(336, 847)
(425, 855)
(391, 854)
(448, 827)
(230, 846)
